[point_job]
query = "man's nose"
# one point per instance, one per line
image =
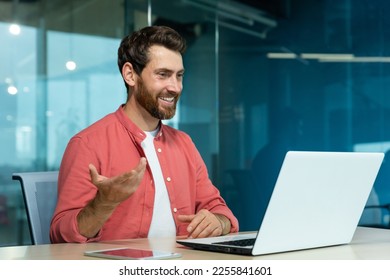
(175, 85)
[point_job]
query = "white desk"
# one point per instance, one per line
(367, 244)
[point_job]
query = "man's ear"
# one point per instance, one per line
(128, 74)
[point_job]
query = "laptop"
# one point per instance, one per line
(317, 201)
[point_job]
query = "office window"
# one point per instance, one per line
(57, 76)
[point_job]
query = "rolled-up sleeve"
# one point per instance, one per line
(75, 190)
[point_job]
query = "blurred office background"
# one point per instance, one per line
(262, 77)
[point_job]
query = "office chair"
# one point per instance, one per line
(40, 197)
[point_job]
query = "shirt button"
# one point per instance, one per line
(175, 209)
(168, 179)
(159, 150)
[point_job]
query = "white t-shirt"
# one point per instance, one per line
(162, 224)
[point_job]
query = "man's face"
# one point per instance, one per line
(159, 86)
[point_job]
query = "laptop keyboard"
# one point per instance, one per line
(241, 242)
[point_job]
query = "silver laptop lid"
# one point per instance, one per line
(317, 200)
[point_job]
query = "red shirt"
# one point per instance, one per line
(113, 145)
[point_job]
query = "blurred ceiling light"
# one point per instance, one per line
(385, 59)
(14, 29)
(70, 65)
(235, 11)
(330, 57)
(334, 56)
(12, 90)
(239, 13)
(282, 55)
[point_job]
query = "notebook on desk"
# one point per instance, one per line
(317, 201)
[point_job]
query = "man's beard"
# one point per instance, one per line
(150, 103)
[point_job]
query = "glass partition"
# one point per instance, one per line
(58, 75)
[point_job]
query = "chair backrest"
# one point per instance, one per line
(40, 196)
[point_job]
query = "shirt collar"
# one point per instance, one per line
(132, 127)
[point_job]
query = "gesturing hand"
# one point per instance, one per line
(111, 192)
(114, 190)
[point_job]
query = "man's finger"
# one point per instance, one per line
(137, 171)
(186, 218)
(141, 165)
(93, 172)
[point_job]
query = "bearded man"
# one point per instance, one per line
(130, 176)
